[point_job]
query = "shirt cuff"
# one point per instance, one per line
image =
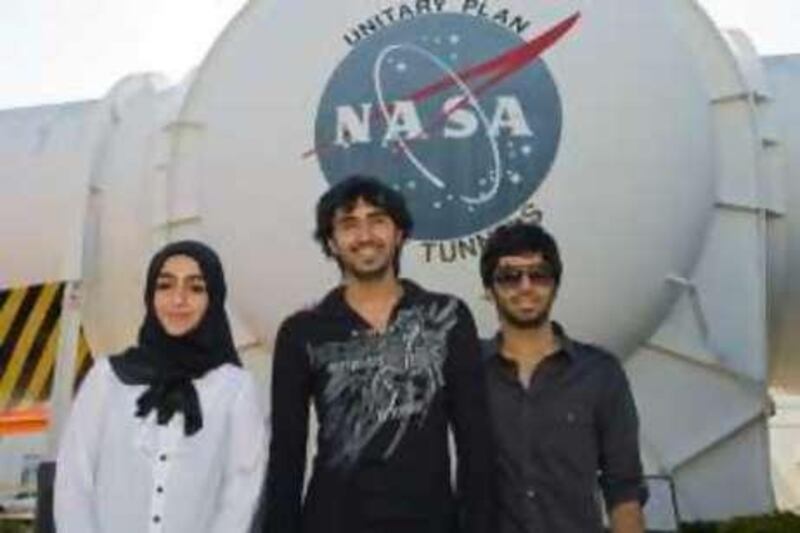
(618, 493)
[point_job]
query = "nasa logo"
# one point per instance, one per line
(456, 111)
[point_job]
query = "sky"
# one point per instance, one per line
(63, 50)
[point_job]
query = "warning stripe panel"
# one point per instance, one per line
(30, 322)
(24, 342)
(8, 312)
(44, 367)
(48, 324)
(21, 303)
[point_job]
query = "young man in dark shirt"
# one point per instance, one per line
(389, 367)
(563, 416)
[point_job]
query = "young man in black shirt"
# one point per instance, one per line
(562, 412)
(389, 367)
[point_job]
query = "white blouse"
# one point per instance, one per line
(117, 473)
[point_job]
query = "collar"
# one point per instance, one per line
(567, 345)
(334, 303)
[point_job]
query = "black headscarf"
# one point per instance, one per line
(168, 364)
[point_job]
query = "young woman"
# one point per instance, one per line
(167, 436)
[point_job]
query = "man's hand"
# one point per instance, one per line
(627, 517)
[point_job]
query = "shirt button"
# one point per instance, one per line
(530, 493)
(156, 519)
(162, 457)
(159, 489)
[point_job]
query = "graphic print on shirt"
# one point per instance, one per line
(380, 379)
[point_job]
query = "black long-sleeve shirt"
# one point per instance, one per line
(572, 430)
(384, 402)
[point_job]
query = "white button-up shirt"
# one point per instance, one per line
(117, 473)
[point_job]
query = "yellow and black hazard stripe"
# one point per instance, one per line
(30, 323)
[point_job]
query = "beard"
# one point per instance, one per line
(368, 275)
(525, 322)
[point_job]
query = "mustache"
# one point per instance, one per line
(367, 244)
(529, 293)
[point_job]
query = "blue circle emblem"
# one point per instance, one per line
(446, 109)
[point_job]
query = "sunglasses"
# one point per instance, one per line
(512, 277)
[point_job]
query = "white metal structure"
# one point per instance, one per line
(664, 195)
(783, 75)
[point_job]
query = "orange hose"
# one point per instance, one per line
(27, 420)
